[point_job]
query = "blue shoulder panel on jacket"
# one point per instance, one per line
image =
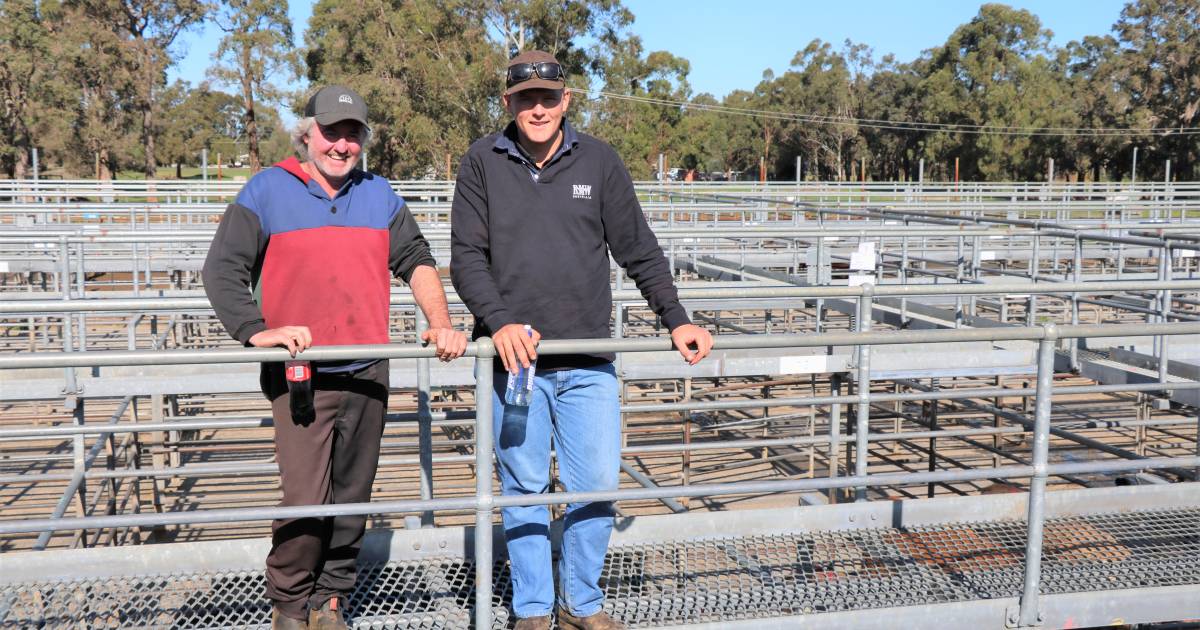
(284, 203)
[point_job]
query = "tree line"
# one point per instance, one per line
(85, 82)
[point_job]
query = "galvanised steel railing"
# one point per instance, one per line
(1170, 201)
(484, 503)
(1075, 291)
(1002, 190)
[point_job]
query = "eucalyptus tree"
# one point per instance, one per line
(27, 71)
(145, 31)
(1093, 75)
(995, 82)
(560, 27)
(256, 48)
(649, 95)
(428, 70)
(1159, 67)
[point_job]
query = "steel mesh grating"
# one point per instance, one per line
(678, 582)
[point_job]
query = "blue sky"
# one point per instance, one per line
(731, 42)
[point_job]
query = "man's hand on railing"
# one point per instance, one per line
(450, 343)
(688, 335)
(294, 338)
(516, 347)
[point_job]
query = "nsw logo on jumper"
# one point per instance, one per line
(581, 191)
(345, 98)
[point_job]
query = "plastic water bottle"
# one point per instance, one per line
(520, 385)
(299, 380)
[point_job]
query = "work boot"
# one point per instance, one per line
(280, 621)
(598, 621)
(328, 616)
(533, 623)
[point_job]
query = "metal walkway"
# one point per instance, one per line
(878, 564)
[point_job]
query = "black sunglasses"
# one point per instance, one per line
(522, 72)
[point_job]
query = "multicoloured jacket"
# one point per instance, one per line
(311, 260)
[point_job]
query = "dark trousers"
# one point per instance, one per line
(330, 460)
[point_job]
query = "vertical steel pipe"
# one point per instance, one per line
(958, 278)
(1076, 271)
(484, 503)
(68, 322)
(1164, 305)
(1035, 518)
(1031, 315)
(835, 432)
(863, 424)
(424, 423)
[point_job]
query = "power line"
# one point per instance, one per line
(905, 125)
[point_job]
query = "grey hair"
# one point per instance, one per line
(305, 125)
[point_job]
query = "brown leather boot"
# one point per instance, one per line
(598, 621)
(328, 616)
(280, 621)
(533, 623)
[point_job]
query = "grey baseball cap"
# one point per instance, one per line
(335, 103)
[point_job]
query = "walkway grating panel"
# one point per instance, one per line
(681, 582)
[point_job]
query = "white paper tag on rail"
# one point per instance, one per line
(810, 364)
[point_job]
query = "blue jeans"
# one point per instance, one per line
(580, 410)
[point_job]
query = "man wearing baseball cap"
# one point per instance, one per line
(537, 209)
(318, 242)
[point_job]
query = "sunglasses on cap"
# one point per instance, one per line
(548, 70)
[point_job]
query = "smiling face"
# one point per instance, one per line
(538, 113)
(333, 150)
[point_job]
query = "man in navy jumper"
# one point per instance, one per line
(319, 241)
(537, 210)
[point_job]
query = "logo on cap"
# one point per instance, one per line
(345, 98)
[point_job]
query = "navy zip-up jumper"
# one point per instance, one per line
(532, 246)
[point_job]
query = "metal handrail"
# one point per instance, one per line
(109, 305)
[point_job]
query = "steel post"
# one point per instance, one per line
(904, 276)
(863, 424)
(958, 279)
(1164, 305)
(835, 432)
(1030, 615)
(424, 423)
(1031, 314)
(1076, 271)
(484, 501)
(71, 388)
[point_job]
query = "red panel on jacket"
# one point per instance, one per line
(334, 280)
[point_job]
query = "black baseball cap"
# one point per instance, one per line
(335, 103)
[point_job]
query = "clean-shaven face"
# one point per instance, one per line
(335, 149)
(538, 112)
